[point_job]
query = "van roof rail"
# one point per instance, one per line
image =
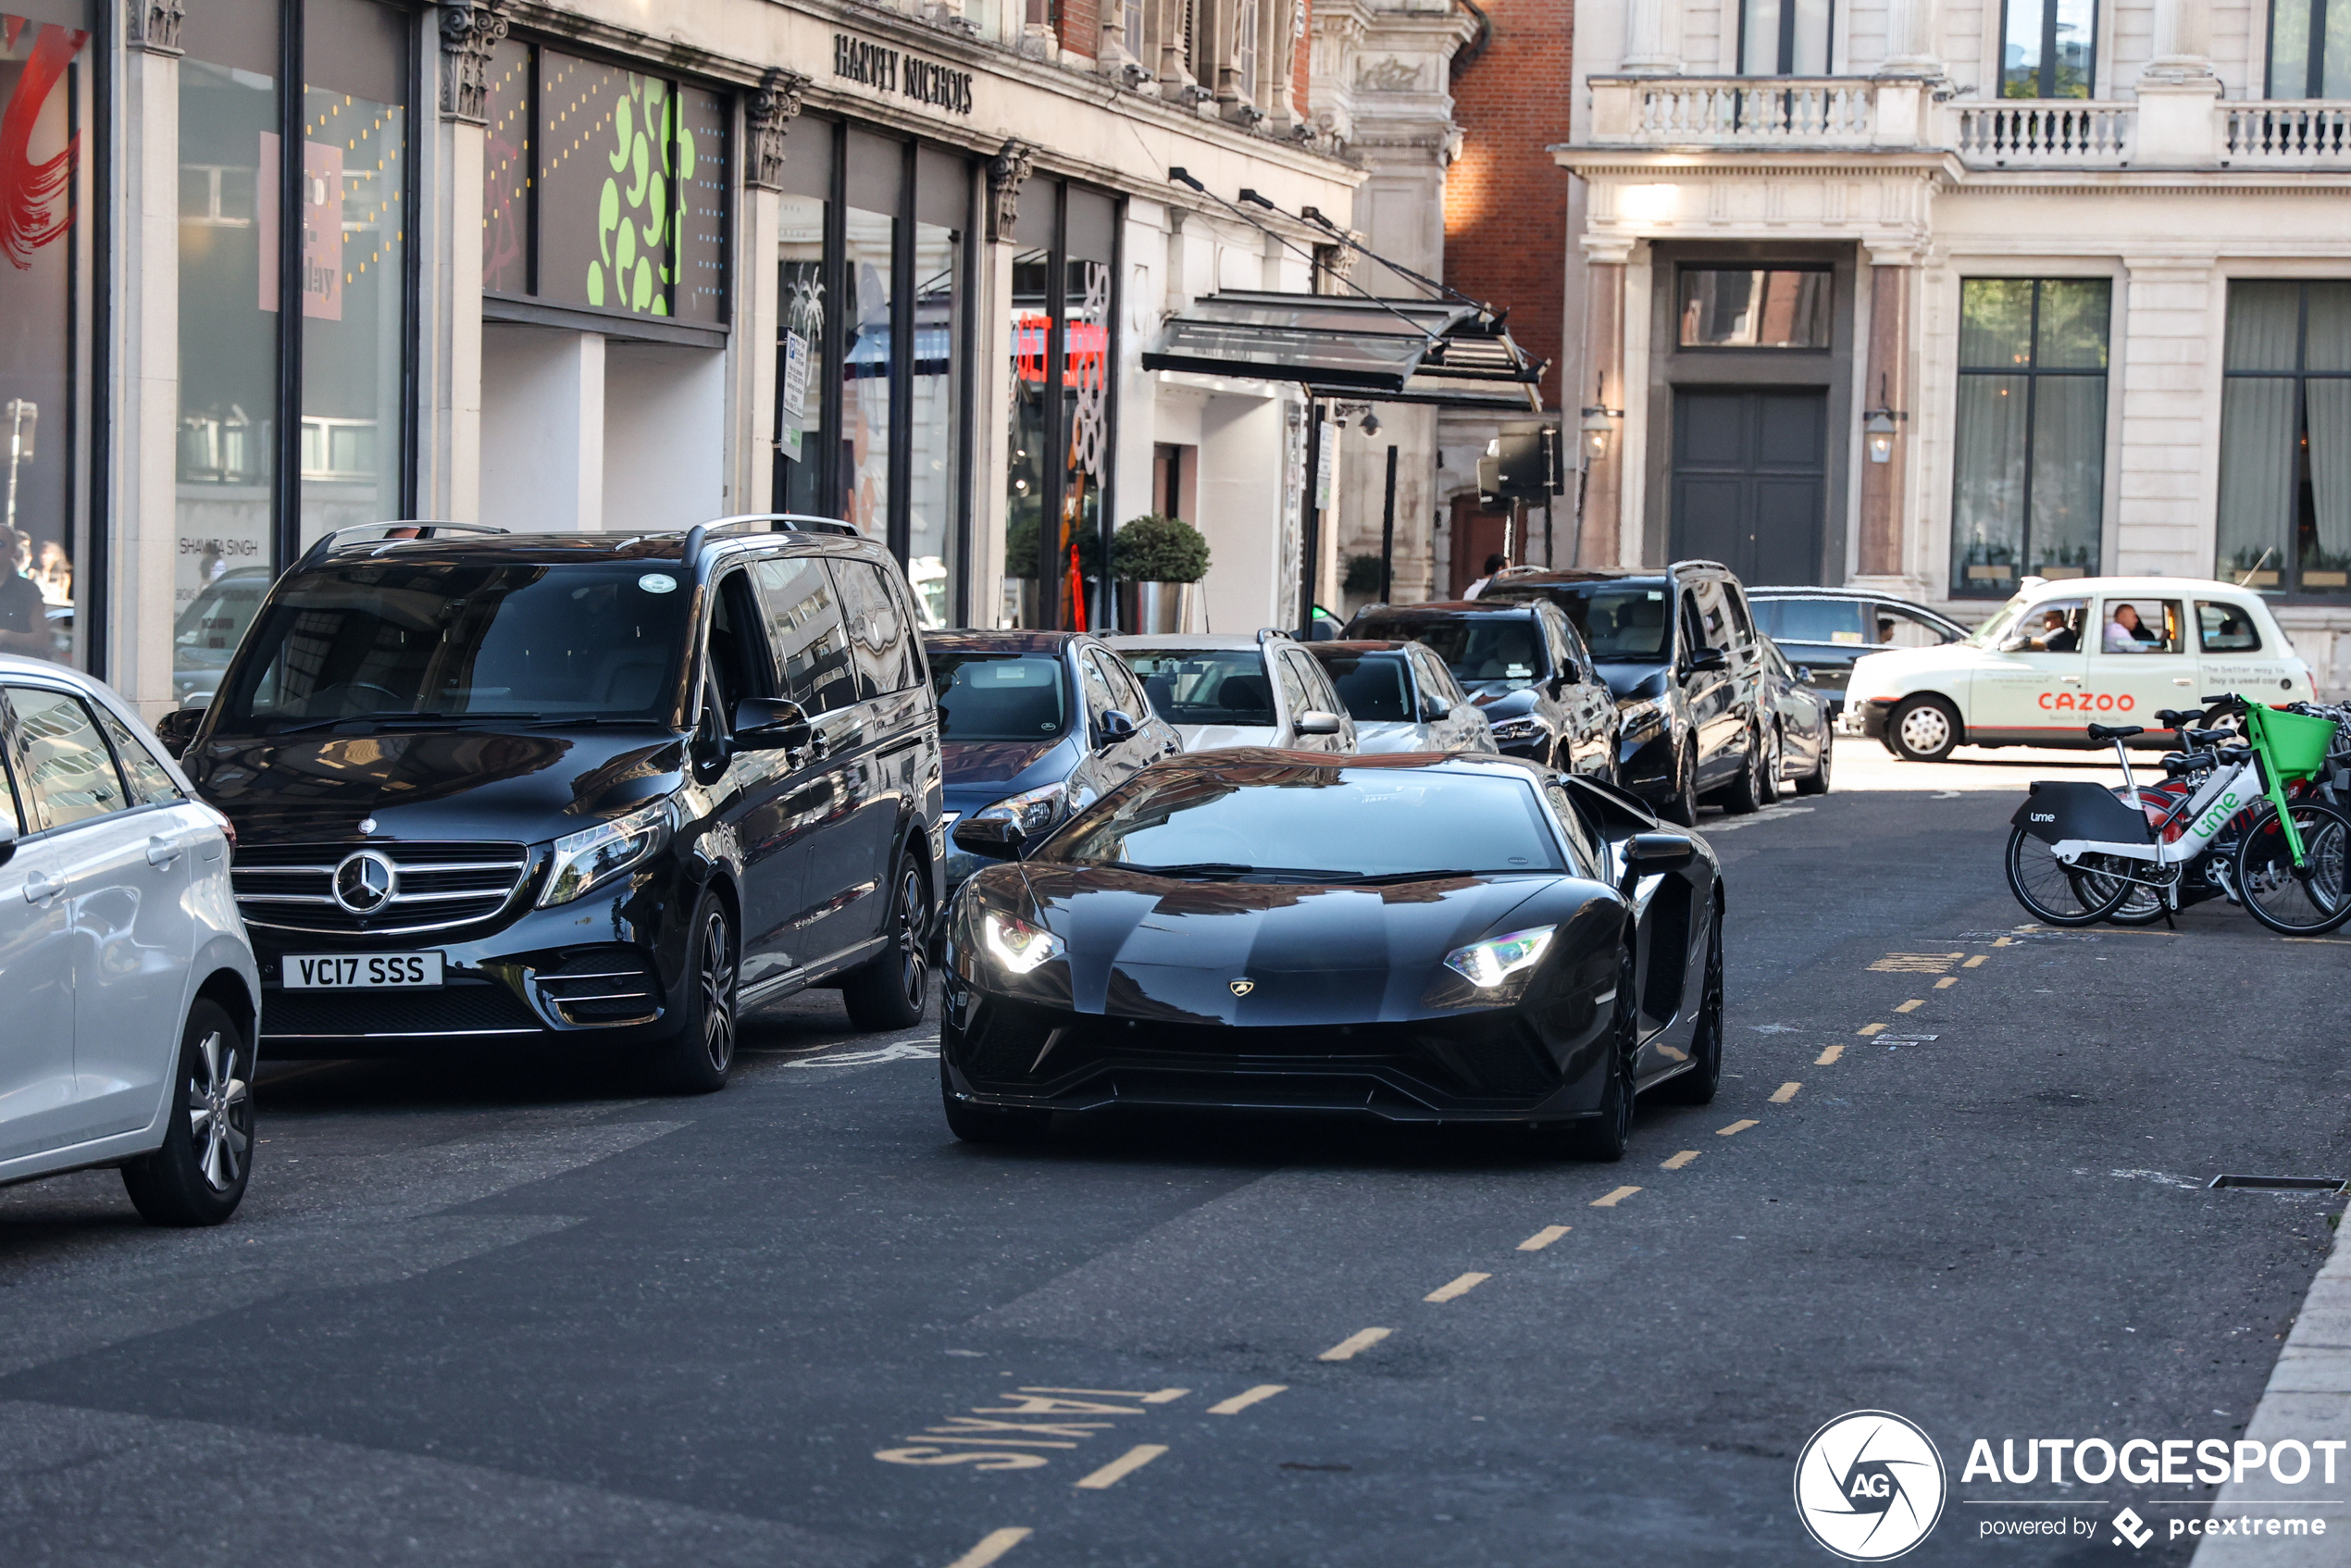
(765, 522)
(426, 527)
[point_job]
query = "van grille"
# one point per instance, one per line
(289, 887)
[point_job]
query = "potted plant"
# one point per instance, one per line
(1157, 561)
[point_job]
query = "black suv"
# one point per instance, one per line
(577, 789)
(1678, 647)
(1526, 668)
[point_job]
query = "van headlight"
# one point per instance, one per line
(1518, 729)
(593, 856)
(1643, 718)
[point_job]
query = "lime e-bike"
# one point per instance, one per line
(2077, 852)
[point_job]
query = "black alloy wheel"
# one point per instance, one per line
(891, 990)
(1696, 1084)
(1605, 1136)
(988, 1124)
(698, 1055)
(1680, 806)
(1817, 781)
(198, 1175)
(1749, 791)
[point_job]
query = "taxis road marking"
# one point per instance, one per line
(992, 1546)
(1678, 1161)
(1458, 1289)
(1785, 1093)
(1118, 1469)
(1614, 1199)
(1543, 1238)
(1738, 1126)
(1870, 1030)
(1246, 1397)
(1831, 1054)
(1947, 982)
(1156, 1396)
(1912, 1006)
(1361, 1340)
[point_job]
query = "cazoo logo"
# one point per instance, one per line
(2088, 702)
(1870, 1486)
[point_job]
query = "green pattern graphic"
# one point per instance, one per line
(637, 214)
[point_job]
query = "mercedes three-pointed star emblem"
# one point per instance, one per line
(365, 883)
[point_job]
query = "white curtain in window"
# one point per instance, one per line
(2256, 473)
(2327, 407)
(2069, 471)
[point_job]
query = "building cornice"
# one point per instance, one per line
(1944, 167)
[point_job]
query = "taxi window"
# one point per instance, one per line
(2141, 626)
(2224, 628)
(2052, 626)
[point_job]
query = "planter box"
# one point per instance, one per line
(1157, 607)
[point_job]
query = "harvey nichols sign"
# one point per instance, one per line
(909, 76)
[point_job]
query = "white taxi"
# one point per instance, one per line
(2065, 654)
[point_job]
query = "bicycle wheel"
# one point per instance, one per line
(2299, 901)
(2059, 895)
(2141, 905)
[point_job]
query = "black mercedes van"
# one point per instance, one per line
(542, 789)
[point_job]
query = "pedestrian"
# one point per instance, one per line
(1494, 562)
(24, 617)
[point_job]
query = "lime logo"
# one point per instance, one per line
(2220, 813)
(1870, 1486)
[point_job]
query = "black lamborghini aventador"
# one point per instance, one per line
(1413, 937)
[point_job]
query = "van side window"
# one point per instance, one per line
(1738, 602)
(877, 630)
(805, 630)
(2225, 627)
(64, 757)
(736, 655)
(1713, 617)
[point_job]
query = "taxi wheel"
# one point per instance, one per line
(1922, 729)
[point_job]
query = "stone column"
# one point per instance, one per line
(144, 561)
(2179, 94)
(1882, 552)
(1599, 524)
(990, 340)
(1647, 50)
(751, 371)
(453, 487)
(1911, 46)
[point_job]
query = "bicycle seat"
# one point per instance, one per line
(2116, 732)
(2178, 718)
(2205, 737)
(2181, 764)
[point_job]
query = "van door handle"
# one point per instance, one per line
(2070, 680)
(161, 852)
(40, 887)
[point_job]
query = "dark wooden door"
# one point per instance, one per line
(1477, 535)
(1750, 482)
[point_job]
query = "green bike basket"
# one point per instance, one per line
(2295, 744)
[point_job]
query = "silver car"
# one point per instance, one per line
(1403, 699)
(1223, 691)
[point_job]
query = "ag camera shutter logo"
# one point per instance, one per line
(1870, 1486)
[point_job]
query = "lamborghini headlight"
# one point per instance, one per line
(1016, 945)
(1036, 810)
(593, 856)
(1489, 965)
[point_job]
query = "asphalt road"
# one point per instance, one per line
(484, 1314)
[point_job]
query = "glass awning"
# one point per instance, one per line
(1348, 346)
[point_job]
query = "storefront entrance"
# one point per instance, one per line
(1750, 479)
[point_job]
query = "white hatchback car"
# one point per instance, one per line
(125, 974)
(2064, 655)
(1231, 690)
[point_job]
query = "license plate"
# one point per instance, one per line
(361, 971)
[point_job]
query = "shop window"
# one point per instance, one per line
(2286, 438)
(2310, 48)
(604, 188)
(1784, 37)
(934, 432)
(2049, 48)
(1755, 308)
(2028, 469)
(47, 141)
(802, 364)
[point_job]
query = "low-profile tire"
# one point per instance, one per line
(1604, 1137)
(1922, 729)
(989, 1124)
(1680, 806)
(197, 1175)
(698, 1053)
(1697, 1084)
(1749, 792)
(891, 990)
(1817, 781)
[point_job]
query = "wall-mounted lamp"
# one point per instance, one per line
(1599, 424)
(1877, 427)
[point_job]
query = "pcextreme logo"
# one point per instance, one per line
(1870, 1486)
